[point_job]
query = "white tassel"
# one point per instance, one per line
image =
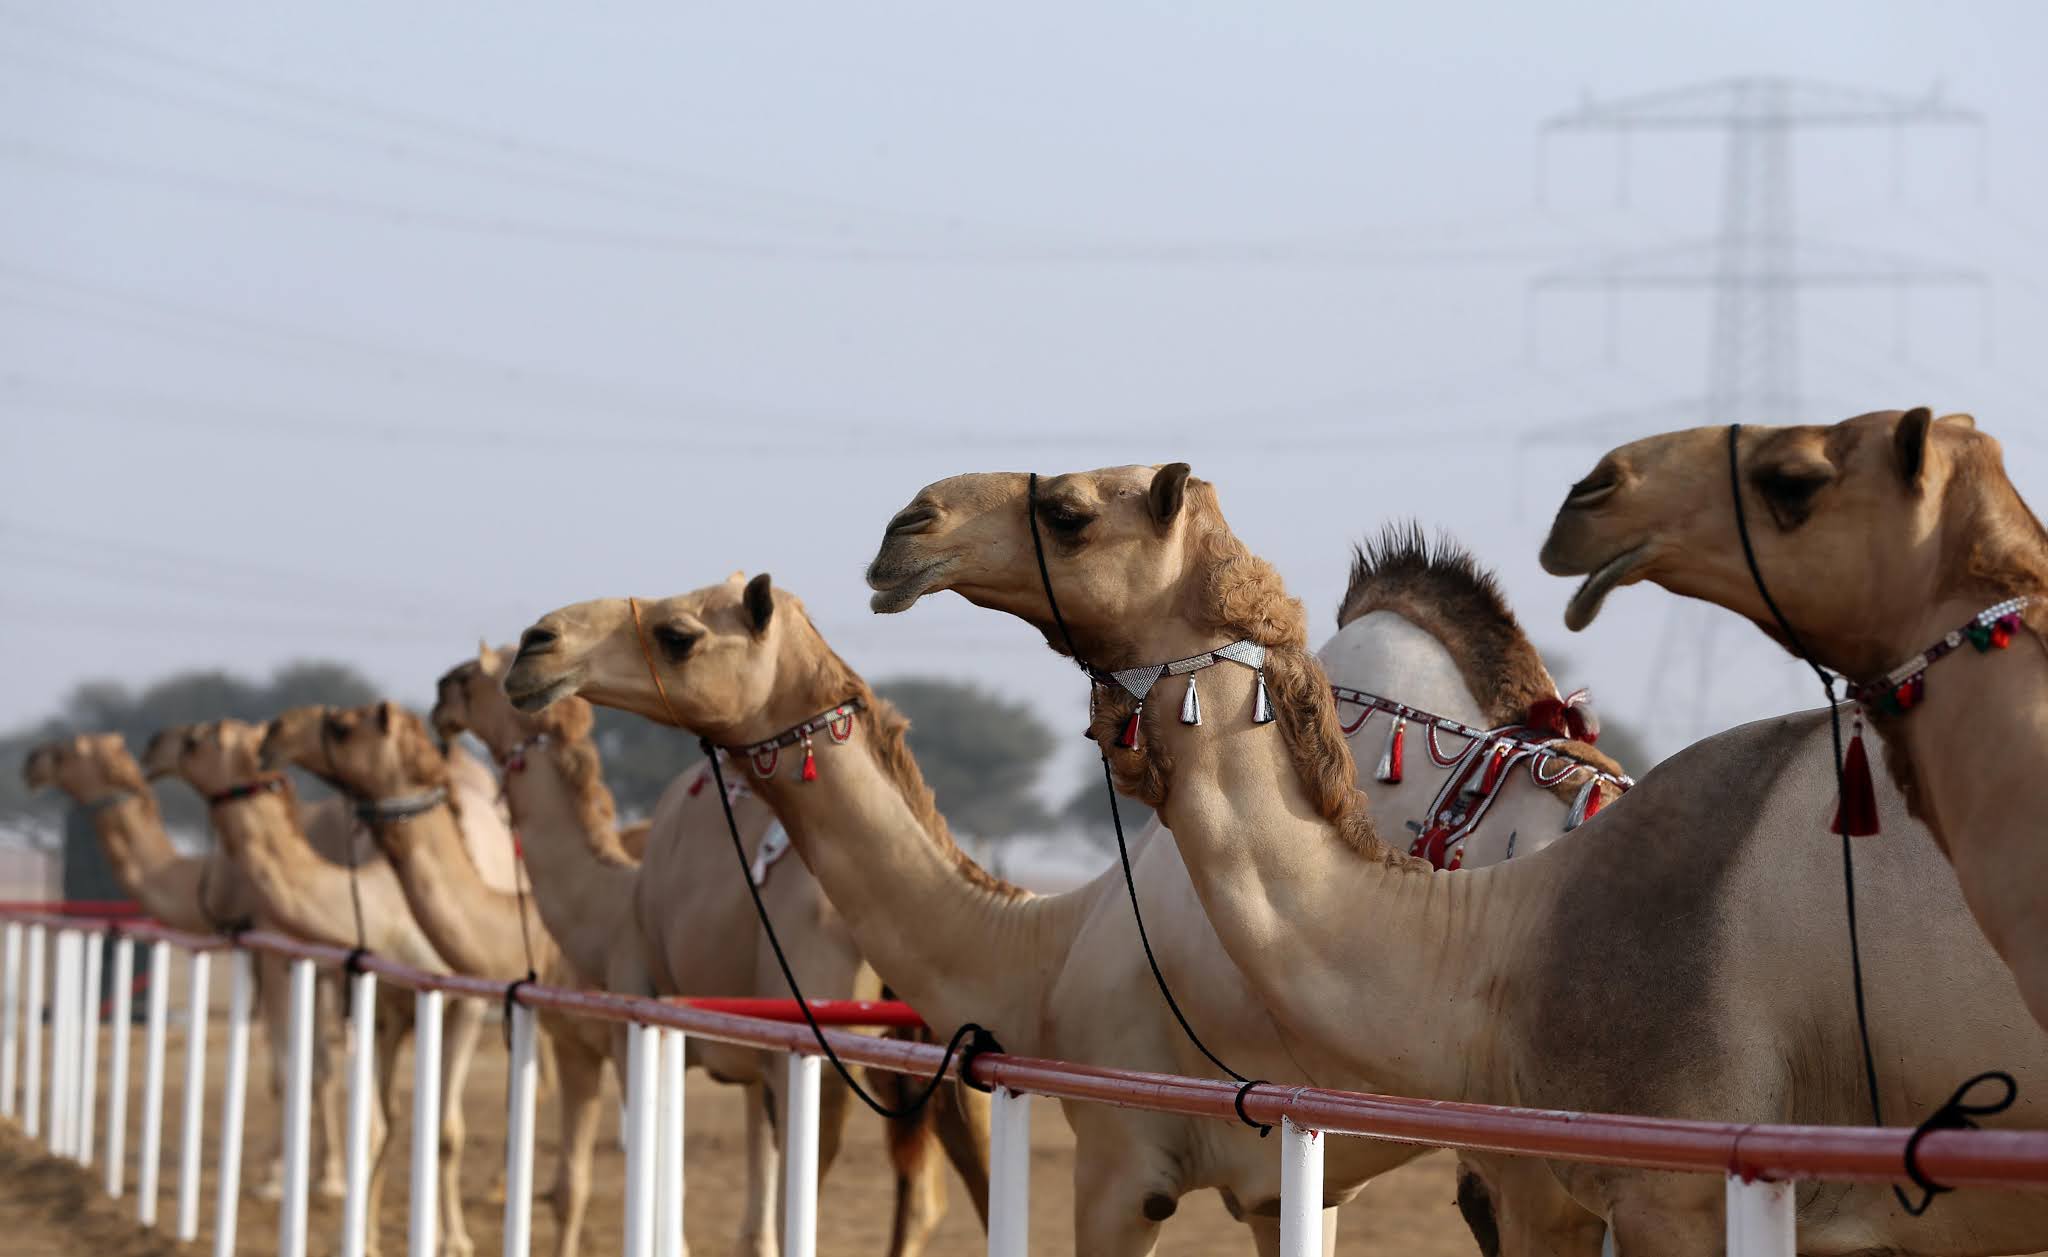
(1581, 805)
(1389, 770)
(1262, 707)
(1191, 704)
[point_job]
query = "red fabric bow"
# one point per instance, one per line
(1568, 717)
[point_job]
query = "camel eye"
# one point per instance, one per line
(674, 642)
(336, 730)
(1065, 520)
(1790, 490)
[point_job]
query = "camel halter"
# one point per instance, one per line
(94, 807)
(1856, 815)
(969, 1041)
(404, 808)
(1191, 713)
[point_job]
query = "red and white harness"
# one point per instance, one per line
(1480, 768)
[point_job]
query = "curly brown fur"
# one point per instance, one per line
(835, 682)
(567, 725)
(1440, 588)
(1241, 596)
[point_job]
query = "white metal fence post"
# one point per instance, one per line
(1301, 1190)
(151, 1153)
(643, 1075)
(800, 1160)
(63, 1048)
(194, 1098)
(519, 1097)
(10, 1013)
(233, 1105)
(362, 1081)
(668, 1196)
(423, 1235)
(94, 942)
(298, 1104)
(117, 1061)
(32, 1035)
(1759, 1219)
(1009, 1174)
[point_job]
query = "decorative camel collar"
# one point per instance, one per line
(1900, 690)
(268, 783)
(404, 808)
(837, 723)
(514, 760)
(1138, 682)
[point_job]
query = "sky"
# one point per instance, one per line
(364, 331)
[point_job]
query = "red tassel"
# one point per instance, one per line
(810, 763)
(1592, 805)
(1391, 760)
(1856, 815)
(1496, 759)
(1129, 738)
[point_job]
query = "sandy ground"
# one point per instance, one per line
(49, 1206)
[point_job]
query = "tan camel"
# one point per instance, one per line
(255, 816)
(1883, 539)
(687, 892)
(486, 829)
(200, 894)
(383, 757)
(1638, 965)
(1061, 975)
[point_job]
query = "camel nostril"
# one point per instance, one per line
(535, 640)
(914, 520)
(1592, 491)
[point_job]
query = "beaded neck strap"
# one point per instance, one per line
(375, 810)
(836, 723)
(105, 801)
(1900, 690)
(514, 760)
(267, 784)
(1138, 682)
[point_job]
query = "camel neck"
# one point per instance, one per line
(131, 831)
(956, 943)
(1320, 926)
(293, 886)
(476, 928)
(580, 875)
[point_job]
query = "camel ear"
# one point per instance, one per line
(1909, 444)
(1960, 420)
(760, 601)
(1169, 490)
(483, 654)
(384, 716)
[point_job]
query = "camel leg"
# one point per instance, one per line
(329, 1084)
(580, 1074)
(920, 1197)
(960, 1118)
(1119, 1200)
(272, 976)
(465, 1021)
(758, 1235)
(392, 1032)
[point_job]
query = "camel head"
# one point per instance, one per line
(1848, 522)
(736, 660)
(470, 698)
(87, 766)
(381, 752)
(220, 755)
(293, 739)
(166, 746)
(1120, 544)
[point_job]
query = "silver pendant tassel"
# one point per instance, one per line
(1262, 707)
(1191, 704)
(1580, 803)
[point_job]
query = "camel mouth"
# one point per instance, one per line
(532, 694)
(1605, 579)
(896, 591)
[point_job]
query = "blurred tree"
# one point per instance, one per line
(641, 757)
(1086, 811)
(982, 754)
(108, 706)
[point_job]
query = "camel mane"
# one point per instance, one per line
(1241, 596)
(568, 724)
(887, 727)
(2004, 548)
(1441, 589)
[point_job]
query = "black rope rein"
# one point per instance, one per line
(1122, 847)
(1953, 1114)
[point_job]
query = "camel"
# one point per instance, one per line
(255, 816)
(1057, 975)
(199, 894)
(692, 907)
(383, 757)
(486, 829)
(1883, 539)
(1637, 965)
